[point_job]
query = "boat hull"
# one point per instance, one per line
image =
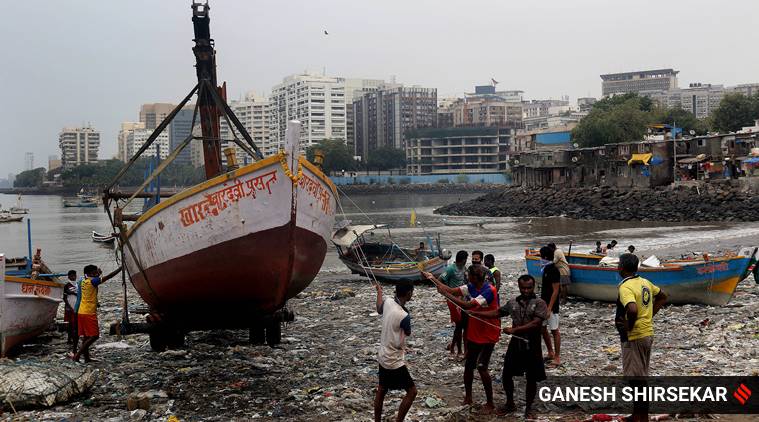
(28, 308)
(395, 273)
(235, 247)
(705, 282)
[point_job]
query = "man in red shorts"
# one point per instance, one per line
(481, 333)
(86, 308)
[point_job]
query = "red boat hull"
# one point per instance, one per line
(241, 279)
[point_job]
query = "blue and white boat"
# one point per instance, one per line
(708, 280)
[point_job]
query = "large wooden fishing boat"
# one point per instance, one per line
(27, 305)
(711, 280)
(230, 251)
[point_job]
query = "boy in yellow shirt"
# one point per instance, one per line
(86, 308)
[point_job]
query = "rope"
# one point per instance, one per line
(373, 279)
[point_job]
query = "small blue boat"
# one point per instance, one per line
(709, 281)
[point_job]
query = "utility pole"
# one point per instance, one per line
(674, 150)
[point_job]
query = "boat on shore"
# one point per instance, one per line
(710, 280)
(385, 261)
(103, 238)
(29, 298)
(228, 252)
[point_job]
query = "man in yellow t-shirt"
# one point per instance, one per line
(86, 308)
(639, 300)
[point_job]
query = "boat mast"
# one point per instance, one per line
(205, 66)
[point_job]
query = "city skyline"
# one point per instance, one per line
(86, 61)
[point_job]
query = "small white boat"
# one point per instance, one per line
(102, 238)
(478, 223)
(19, 209)
(27, 305)
(7, 217)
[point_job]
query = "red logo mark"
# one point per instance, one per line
(742, 394)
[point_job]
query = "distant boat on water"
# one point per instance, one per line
(478, 223)
(18, 208)
(83, 202)
(103, 238)
(710, 281)
(7, 217)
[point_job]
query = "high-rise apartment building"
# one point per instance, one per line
(485, 107)
(53, 162)
(639, 81)
(29, 161)
(700, 99)
(79, 145)
(121, 140)
(745, 89)
(319, 102)
(383, 117)
(137, 137)
(458, 150)
(179, 129)
(253, 113)
(153, 114)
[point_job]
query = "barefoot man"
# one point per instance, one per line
(481, 334)
(396, 326)
(86, 309)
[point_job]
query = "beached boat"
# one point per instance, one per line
(709, 281)
(27, 305)
(230, 251)
(385, 261)
(102, 238)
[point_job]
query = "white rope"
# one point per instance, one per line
(362, 258)
(370, 220)
(483, 321)
(373, 278)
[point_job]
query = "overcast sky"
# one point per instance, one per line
(71, 62)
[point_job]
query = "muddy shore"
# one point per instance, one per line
(326, 367)
(715, 203)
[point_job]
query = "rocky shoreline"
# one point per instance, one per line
(421, 188)
(678, 204)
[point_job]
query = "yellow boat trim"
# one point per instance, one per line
(725, 286)
(13, 279)
(320, 174)
(274, 159)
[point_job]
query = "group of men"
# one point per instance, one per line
(472, 297)
(80, 298)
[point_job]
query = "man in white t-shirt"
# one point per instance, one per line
(396, 326)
